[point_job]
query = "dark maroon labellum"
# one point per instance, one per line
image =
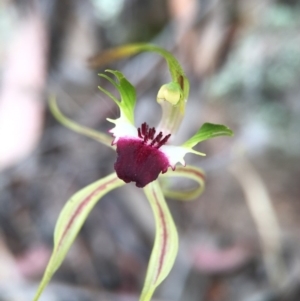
(141, 161)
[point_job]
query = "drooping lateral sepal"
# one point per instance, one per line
(208, 131)
(70, 221)
(165, 245)
(127, 94)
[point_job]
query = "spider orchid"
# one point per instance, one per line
(144, 155)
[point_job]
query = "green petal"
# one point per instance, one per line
(127, 93)
(70, 221)
(189, 172)
(166, 241)
(208, 131)
(103, 138)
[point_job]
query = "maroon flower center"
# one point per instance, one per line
(149, 136)
(141, 161)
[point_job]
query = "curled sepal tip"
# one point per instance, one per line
(127, 94)
(208, 131)
(165, 245)
(187, 172)
(70, 221)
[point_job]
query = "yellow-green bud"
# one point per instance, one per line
(170, 92)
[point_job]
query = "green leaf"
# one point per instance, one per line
(98, 136)
(208, 131)
(127, 93)
(70, 221)
(188, 172)
(165, 245)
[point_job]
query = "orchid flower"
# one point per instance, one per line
(144, 155)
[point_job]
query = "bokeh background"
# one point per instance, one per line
(240, 240)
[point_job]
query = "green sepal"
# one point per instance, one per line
(208, 131)
(165, 244)
(78, 128)
(114, 54)
(70, 221)
(127, 94)
(188, 172)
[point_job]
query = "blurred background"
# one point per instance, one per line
(240, 240)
